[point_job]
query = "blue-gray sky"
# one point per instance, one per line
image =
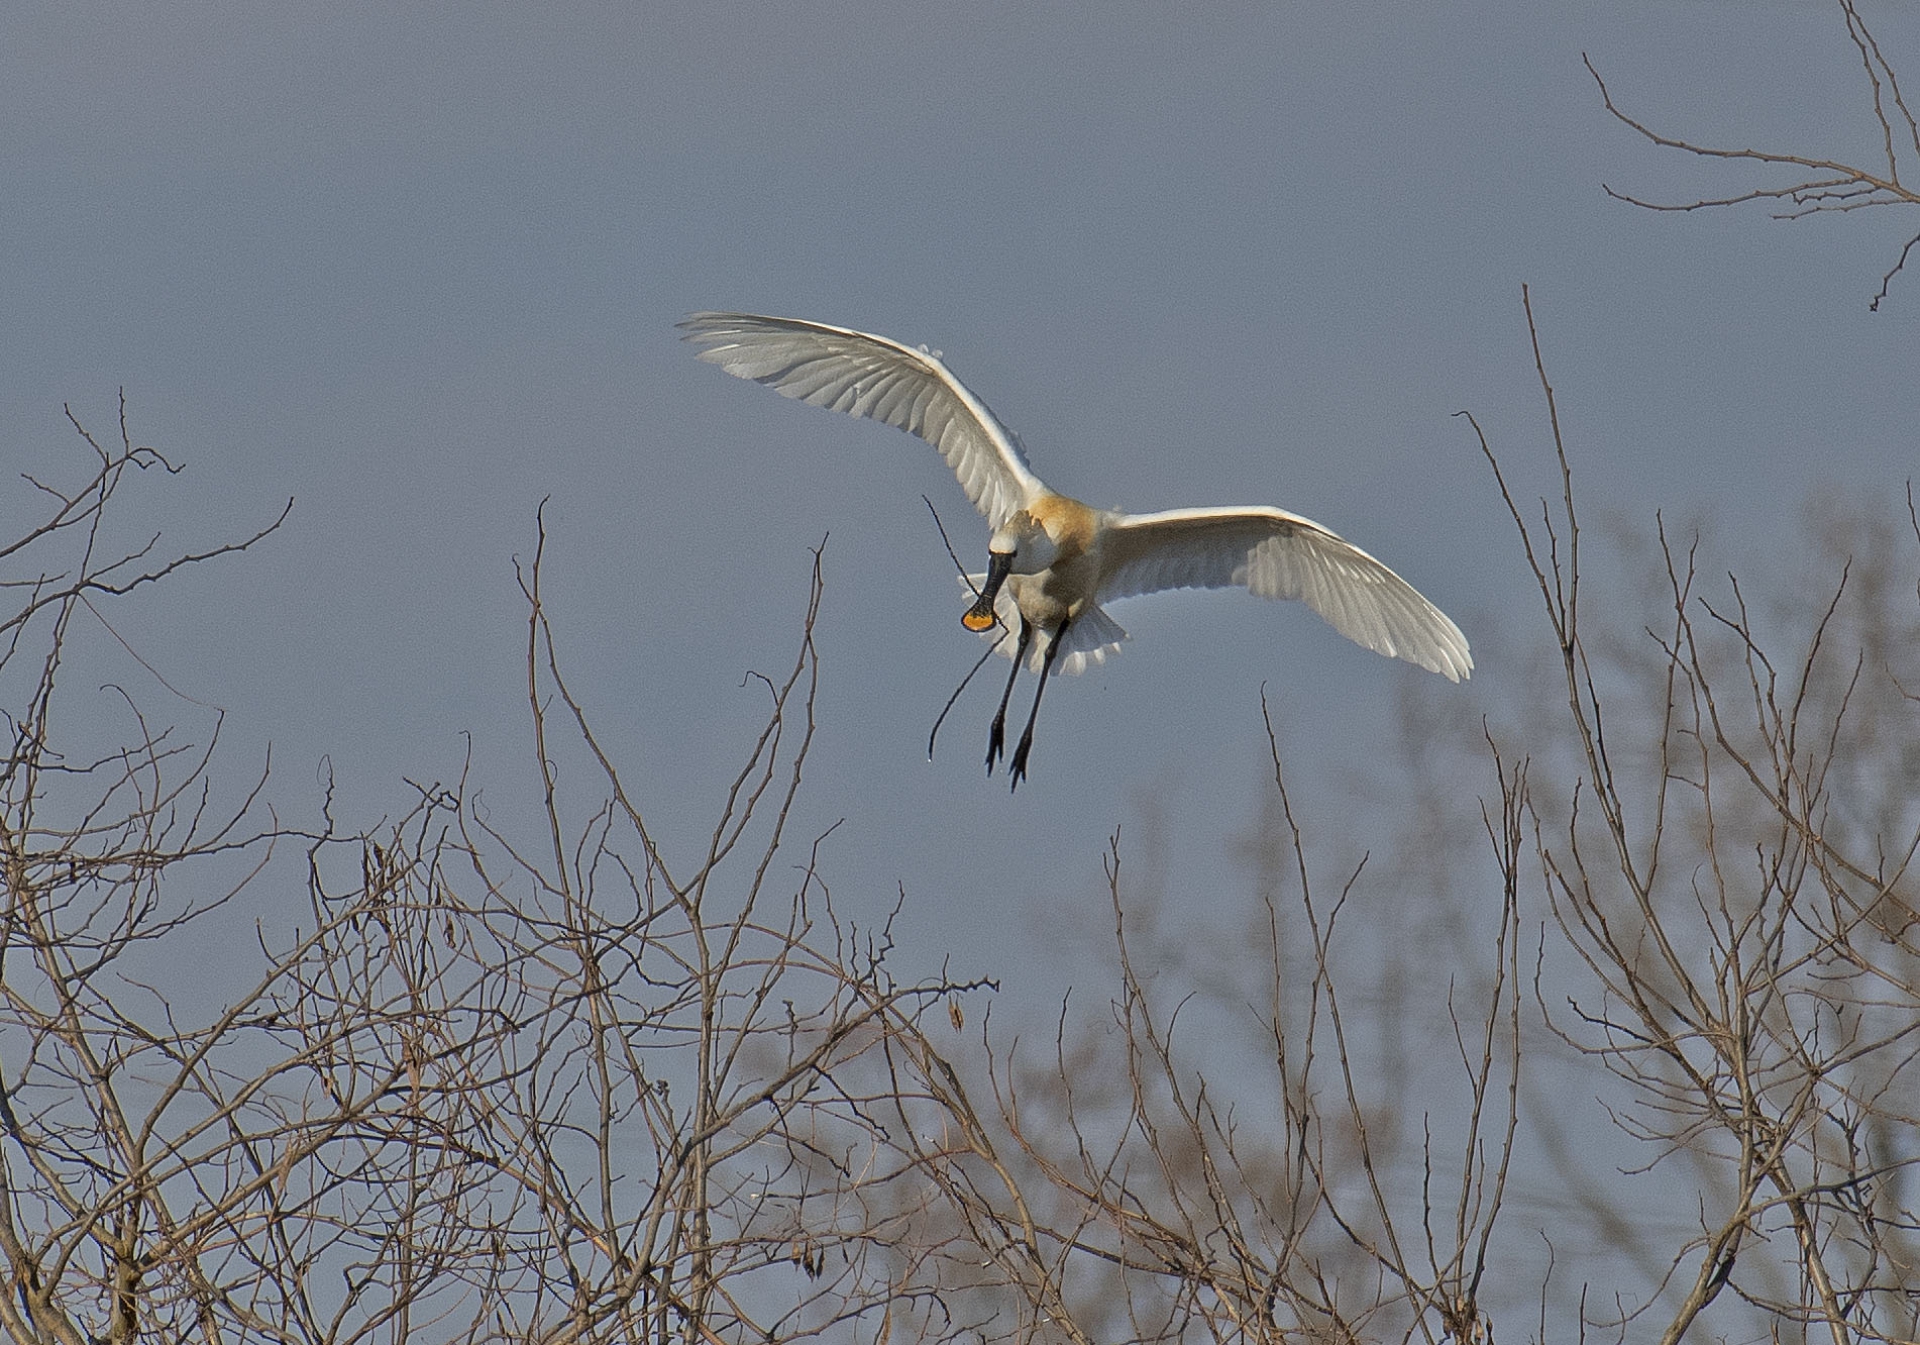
(418, 267)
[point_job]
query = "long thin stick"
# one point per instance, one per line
(956, 693)
(1004, 632)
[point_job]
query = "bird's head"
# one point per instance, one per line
(1018, 546)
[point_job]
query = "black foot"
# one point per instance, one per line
(1019, 768)
(996, 741)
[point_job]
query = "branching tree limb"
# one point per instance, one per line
(1736, 883)
(1820, 185)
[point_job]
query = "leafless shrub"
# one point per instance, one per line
(470, 1087)
(1731, 865)
(1208, 1161)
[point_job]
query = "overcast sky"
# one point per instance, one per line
(418, 267)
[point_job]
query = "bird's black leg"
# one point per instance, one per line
(1019, 768)
(997, 735)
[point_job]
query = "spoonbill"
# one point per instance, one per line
(1052, 561)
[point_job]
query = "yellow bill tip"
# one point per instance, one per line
(977, 620)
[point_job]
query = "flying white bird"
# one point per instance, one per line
(1053, 561)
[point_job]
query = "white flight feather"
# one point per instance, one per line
(881, 380)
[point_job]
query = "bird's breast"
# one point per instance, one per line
(1059, 592)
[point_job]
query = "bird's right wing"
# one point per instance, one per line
(1275, 554)
(878, 379)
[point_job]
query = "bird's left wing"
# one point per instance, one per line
(1275, 554)
(870, 376)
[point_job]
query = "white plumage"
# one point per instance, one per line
(1054, 560)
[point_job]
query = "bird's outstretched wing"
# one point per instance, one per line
(1275, 554)
(879, 379)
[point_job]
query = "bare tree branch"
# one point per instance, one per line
(1823, 185)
